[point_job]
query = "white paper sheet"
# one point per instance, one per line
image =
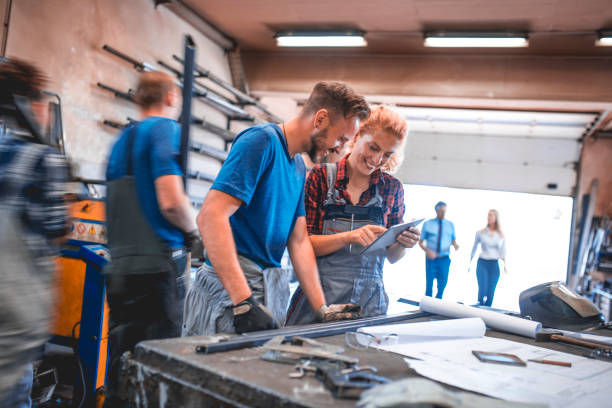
(429, 331)
(586, 384)
(492, 319)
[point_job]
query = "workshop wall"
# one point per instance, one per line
(460, 76)
(65, 39)
(596, 163)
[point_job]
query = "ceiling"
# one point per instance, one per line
(556, 27)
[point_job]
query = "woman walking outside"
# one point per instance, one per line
(492, 249)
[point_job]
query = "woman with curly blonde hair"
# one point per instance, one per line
(348, 205)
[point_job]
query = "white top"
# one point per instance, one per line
(492, 245)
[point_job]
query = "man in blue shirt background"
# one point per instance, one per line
(255, 209)
(437, 236)
(149, 219)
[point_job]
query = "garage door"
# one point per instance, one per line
(531, 152)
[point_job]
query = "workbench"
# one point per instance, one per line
(169, 373)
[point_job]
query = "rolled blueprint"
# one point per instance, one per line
(492, 319)
(429, 331)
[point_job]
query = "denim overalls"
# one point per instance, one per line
(346, 276)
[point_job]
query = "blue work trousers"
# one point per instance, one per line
(487, 273)
(436, 269)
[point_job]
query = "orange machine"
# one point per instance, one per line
(81, 312)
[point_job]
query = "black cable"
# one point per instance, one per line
(75, 347)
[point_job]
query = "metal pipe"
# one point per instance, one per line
(217, 130)
(189, 49)
(5, 27)
(243, 98)
(208, 151)
(311, 331)
(197, 175)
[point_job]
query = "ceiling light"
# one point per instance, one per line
(320, 39)
(604, 38)
(475, 40)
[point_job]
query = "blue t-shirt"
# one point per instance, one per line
(430, 232)
(259, 172)
(155, 153)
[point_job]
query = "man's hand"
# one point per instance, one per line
(250, 315)
(409, 238)
(193, 242)
(364, 236)
(338, 312)
(429, 253)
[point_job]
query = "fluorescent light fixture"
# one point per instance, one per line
(320, 39)
(475, 40)
(604, 38)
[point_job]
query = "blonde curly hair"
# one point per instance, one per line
(383, 119)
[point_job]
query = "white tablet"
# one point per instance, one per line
(388, 238)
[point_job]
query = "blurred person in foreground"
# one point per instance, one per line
(33, 215)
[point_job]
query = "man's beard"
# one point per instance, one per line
(317, 147)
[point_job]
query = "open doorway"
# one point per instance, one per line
(537, 229)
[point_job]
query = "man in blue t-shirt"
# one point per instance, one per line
(437, 236)
(255, 210)
(149, 218)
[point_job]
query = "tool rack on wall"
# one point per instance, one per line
(194, 81)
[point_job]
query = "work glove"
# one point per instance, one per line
(338, 312)
(250, 315)
(193, 242)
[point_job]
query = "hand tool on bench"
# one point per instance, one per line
(551, 335)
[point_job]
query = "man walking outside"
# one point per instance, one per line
(437, 236)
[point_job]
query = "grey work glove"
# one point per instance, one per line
(193, 242)
(250, 315)
(338, 312)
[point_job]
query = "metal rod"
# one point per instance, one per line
(5, 27)
(213, 99)
(189, 50)
(118, 125)
(217, 130)
(208, 151)
(312, 331)
(243, 98)
(128, 96)
(139, 65)
(197, 175)
(205, 73)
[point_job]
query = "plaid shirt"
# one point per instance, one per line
(40, 202)
(390, 189)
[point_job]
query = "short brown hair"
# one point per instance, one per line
(153, 86)
(337, 98)
(18, 77)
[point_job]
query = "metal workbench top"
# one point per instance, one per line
(169, 373)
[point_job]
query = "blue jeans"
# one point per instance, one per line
(487, 273)
(436, 269)
(19, 395)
